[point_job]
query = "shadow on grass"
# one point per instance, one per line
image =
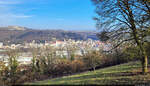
(122, 74)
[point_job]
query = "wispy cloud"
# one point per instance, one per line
(8, 14)
(12, 18)
(9, 2)
(22, 16)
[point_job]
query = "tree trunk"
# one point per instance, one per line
(144, 55)
(144, 64)
(94, 68)
(136, 38)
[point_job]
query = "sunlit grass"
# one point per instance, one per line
(121, 74)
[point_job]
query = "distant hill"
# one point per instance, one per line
(16, 34)
(13, 28)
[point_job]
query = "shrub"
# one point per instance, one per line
(62, 66)
(122, 55)
(2, 68)
(1, 80)
(131, 53)
(77, 66)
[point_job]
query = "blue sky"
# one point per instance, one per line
(48, 14)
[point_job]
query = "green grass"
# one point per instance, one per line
(120, 74)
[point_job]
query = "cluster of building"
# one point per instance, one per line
(56, 44)
(63, 48)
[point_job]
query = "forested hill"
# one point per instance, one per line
(16, 34)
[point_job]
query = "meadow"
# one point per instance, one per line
(124, 74)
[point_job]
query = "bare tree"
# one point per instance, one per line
(124, 20)
(34, 58)
(47, 59)
(92, 59)
(13, 64)
(71, 50)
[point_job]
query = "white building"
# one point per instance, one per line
(1, 44)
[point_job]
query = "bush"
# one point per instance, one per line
(77, 66)
(30, 77)
(1, 80)
(131, 53)
(122, 55)
(62, 66)
(65, 67)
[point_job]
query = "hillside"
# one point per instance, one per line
(16, 34)
(124, 74)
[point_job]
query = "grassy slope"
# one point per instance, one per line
(120, 74)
